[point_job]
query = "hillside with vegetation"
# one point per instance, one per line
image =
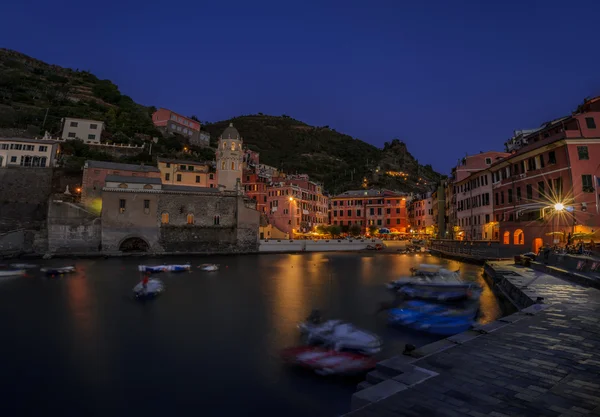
(339, 161)
(35, 96)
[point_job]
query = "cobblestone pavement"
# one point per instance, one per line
(542, 365)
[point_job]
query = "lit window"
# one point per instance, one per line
(190, 218)
(164, 218)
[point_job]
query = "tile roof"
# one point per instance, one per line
(134, 180)
(118, 166)
(189, 188)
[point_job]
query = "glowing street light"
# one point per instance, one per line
(291, 198)
(559, 207)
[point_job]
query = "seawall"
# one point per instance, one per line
(283, 246)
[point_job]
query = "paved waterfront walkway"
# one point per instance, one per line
(547, 364)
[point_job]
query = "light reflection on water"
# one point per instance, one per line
(215, 336)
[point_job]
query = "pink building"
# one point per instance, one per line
(296, 204)
(474, 207)
(95, 173)
(475, 163)
(549, 188)
(170, 122)
(420, 215)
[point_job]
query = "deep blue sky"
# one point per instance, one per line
(448, 77)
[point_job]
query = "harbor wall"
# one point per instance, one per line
(316, 246)
(474, 250)
(72, 229)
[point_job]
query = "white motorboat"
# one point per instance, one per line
(164, 268)
(209, 267)
(23, 266)
(340, 335)
(5, 273)
(154, 287)
(428, 270)
(58, 270)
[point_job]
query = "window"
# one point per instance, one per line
(217, 220)
(510, 196)
(358, 213)
(121, 206)
(582, 152)
(72, 135)
(506, 239)
(387, 221)
(335, 203)
(531, 164)
(233, 165)
(558, 188)
(190, 218)
(74, 124)
(518, 194)
(372, 211)
(5, 146)
(211, 176)
(487, 218)
(586, 182)
(541, 189)
(167, 176)
(349, 213)
(334, 213)
(43, 161)
(529, 192)
(590, 122)
(213, 186)
(190, 167)
(146, 204)
(488, 161)
(397, 211)
(379, 222)
(501, 197)
(93, 126)
(92, 137)
(178, 177)
(197, 178)
(173, 126)
(551, 158)
(164, 218)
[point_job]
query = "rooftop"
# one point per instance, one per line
(25, 140)
(132, 180)
(230, 132)
(118, 166)
(189, 188)
(183, 161)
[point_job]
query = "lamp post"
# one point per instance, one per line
(291, 200)
(558, 208)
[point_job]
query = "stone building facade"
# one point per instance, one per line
(143, 214)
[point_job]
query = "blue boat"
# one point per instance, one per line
(164, 268)
(434, 318)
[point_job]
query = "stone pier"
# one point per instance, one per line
(543, 360)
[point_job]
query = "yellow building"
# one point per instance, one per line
(28, 152)
(190, 173)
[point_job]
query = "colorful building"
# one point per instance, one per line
(420, 215)
(183, 172)
(475, 207)
(168, 121)
(28, 152)
(95, 173)
(549, 188)
(88, 131)
(379, 208)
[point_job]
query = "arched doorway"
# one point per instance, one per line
(519, 237)
(506, 239)
(538, 242)
(134, 244)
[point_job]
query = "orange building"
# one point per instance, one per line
(380, 208)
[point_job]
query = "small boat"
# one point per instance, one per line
(58, 270)
(428, 270)
(23, 266)
(328, 362)
(434, 318)
(209, 267)
(11, 273)
(441, 291)
(154, 288)
(339, 335)
(164, 268)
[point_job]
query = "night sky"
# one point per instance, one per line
(447, 77)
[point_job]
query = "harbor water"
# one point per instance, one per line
(80, 345)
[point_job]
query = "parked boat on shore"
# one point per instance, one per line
(58, 270)
(23, 266)
(164, 268)
(434, 318)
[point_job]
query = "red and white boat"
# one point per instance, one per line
(327, 361)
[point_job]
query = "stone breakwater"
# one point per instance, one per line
(542, 360)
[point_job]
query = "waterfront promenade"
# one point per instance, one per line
(541, 361)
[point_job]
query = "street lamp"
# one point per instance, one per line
(559, 207)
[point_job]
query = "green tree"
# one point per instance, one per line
(345, 228)
(355, 230)
(322, 229)
(373, 229)
(335, 230)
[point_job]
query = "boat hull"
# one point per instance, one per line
(164, 268)
(12, 273)
(434, 318)
(58, 271)
(154, 288)
(341, 336)
(328, 362)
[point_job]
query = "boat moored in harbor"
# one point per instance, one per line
(209, 267)
(154, 287)
(58, 270)
(5, 273)
(164, 268)
(327, 361)
(434, 318)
